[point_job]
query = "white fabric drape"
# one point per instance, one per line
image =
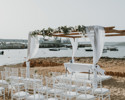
(74, 43)
(33, 46)
(28, 69)
(78, 67)
(96, 35)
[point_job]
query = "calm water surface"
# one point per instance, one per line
(13, 56)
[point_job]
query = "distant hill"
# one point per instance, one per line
(115, 44)
(121, 44)
(108, 43)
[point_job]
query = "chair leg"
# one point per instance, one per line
(99, 97)
(4, 95)
(66, 98)
(109, 96)
(102, 97)
(11, 98)
(8, 91)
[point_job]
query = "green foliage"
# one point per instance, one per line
(63, 29)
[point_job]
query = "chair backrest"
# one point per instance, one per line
(37, 83)
(39, 80)
(7, 69)
(50, 84)
(32, 72)
(14, 72)
(68, 82)
(3, 75)
(29, 85)
(23, 72)
(17, 88)
(54, 74)
(99, 81)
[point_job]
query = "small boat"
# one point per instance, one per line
(88, 50)
(104, 50)
(1, 52)
(63, 48)
(113, 48)
(54, 49)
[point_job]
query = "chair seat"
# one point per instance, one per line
(31, 80)
(84, 88)
(1, 88)
(13, 77)
(70, 86)
(20, 78)
(43, 89)
(20, 94)
(52, 99)
(88, 81)
(101, 91)
(36, 97)
(70, 94)
(60, 85)
(20, 84)
(3, 82)
(14, 86)
(56, 91)
(86, 97)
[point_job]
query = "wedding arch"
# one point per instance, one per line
(96, 34)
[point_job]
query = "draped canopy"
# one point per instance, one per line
(96, 34)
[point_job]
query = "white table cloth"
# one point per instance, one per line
(78, 67)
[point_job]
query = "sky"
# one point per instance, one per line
(19, 17)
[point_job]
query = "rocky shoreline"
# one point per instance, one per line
(56, 61)
(112, 66)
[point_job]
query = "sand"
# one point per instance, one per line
(113, 66)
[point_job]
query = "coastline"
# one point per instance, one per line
(112, 66)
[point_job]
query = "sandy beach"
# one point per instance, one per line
(112, 66)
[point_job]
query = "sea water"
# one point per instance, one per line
(14, 56)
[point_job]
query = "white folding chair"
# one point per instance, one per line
(18, 91)
(37, 83)
(84, 92)
(14, 73)
(70, 91)
(3, 80)
(42, 89)
(32, 72)
(23, 72)
(83, 84)
(52, 92)
(101, 92)
(4, 84)
(8, 69)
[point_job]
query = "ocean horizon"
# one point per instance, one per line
(14, 56)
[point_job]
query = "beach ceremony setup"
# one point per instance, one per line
(80, 81)
(62, 50)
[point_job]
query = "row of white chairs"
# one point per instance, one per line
(27, 88)
(57, 87)
(85, 86)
